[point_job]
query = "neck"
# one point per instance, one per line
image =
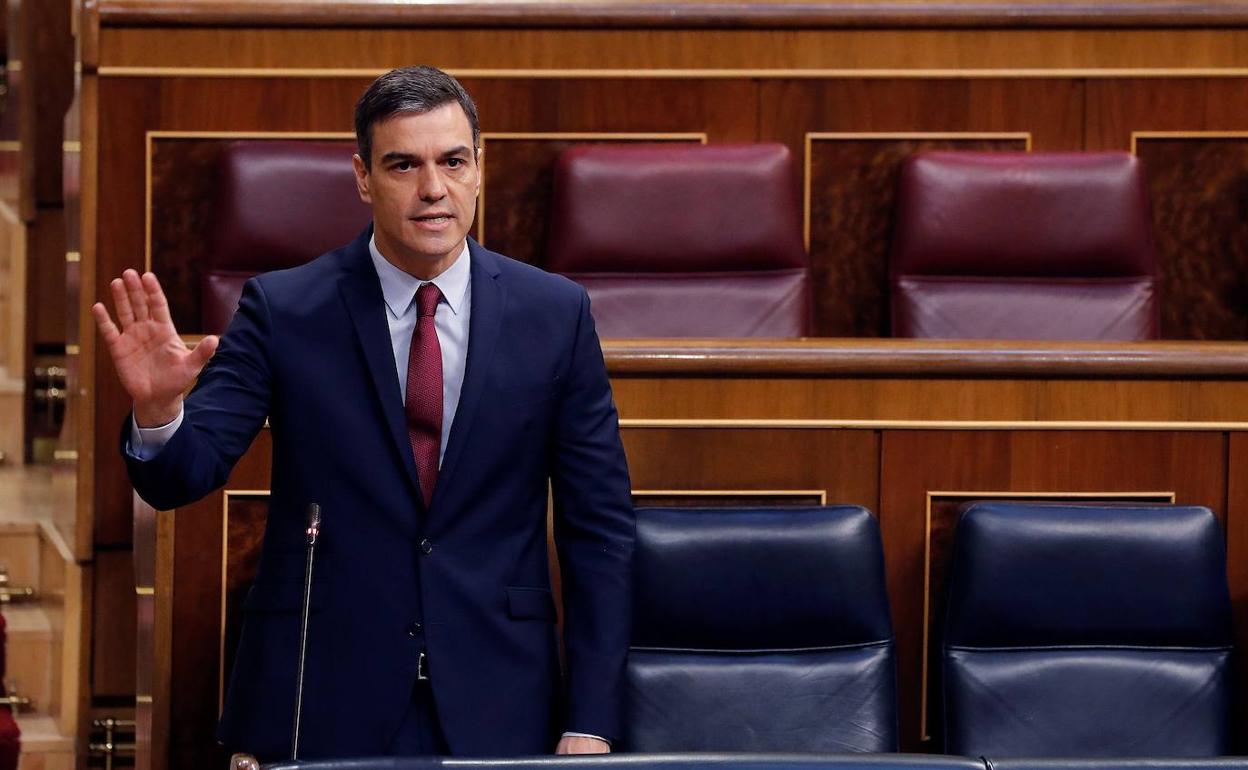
(423, 268)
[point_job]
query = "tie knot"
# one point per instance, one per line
(427, 298)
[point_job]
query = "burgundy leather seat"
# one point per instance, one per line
(1024, 246)
(683, 241)
(279, 204)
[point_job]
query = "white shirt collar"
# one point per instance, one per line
(399, 288)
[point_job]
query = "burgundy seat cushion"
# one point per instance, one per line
(279, 204)
(1024, 246)
(683, 240)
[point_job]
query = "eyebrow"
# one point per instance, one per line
(396, 156)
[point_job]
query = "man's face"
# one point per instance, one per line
(422, 186)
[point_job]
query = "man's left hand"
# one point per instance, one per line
(577, 744)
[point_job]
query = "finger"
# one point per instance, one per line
(204, 351)
(121, 301)
(157, 305)
(138, 299)
(105, 323)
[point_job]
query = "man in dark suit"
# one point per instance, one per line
(423, 391)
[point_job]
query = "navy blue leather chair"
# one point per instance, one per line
(760, 630)
(654, 762)
(1087, 631)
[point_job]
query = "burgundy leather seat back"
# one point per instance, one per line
(683, 240)
(1024, 246)
(279, 204)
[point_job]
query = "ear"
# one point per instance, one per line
(480, 169)
(361, 178)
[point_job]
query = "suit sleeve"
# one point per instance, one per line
(594, 531)
(222, 415)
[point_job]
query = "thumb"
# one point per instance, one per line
(203, 351)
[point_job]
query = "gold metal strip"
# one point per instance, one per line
(822, 494)
(690, 73)
(145, 590)
(1144, 497)
(143, 699)
(885, 136)
(72, 349)
(570, 136)
(71, 145)
(65, 454)
(815, 424)
(10, 145)
(1136, 136)
(161, 134)
(73, 256)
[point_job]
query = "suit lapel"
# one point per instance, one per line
(361, 291)
(489, 298)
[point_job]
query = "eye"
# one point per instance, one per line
(403, 165)
(455, 162)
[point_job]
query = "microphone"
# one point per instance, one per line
(314, 531)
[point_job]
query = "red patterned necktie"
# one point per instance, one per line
(424, 390)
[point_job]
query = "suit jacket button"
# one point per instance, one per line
(426, 547)
(414, 629)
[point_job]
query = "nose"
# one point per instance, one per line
(432, 186)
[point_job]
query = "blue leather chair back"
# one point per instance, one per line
(1085, 630)
(653, 762)
(760, 630)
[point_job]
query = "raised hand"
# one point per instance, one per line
(154, 365)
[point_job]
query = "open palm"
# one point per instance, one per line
(154, 365)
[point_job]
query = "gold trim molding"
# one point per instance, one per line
(685, 73)
(1136, 136)
(822, 494)
(834, 424)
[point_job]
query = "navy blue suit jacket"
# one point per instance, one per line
(309, 349)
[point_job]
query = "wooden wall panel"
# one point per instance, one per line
(114, 614)
(1197, 184)
(1237, 563)
(199, 568)
(962, 464)
(1199, 188)
(840, 464)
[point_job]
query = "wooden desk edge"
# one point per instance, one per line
(800, 14)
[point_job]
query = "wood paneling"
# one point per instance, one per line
(113, 625)
(1237, 563)
(962, 465)
(474, 49)
(1199, 188)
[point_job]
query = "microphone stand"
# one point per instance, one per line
(314, 530)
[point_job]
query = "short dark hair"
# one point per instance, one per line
(409, 90)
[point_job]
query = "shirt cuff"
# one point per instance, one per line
(146, 443)
(586, 735)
